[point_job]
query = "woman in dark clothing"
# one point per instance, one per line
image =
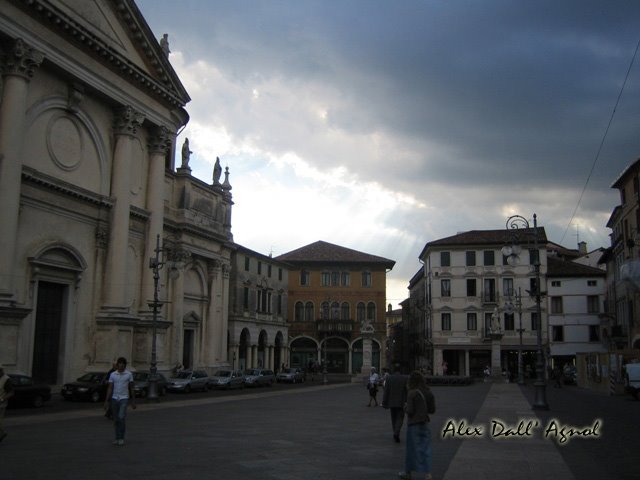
(420, 403)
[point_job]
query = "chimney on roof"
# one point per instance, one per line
(582, 248)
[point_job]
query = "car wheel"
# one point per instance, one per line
(187, 389)
(95, 397)
(38, 401)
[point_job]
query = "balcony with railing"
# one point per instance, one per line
(334, 326)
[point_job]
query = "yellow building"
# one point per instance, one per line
(333, 293)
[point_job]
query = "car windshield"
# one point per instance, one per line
(91, 377)
(222, 373)
(290, 370)
(140, 376)
(252, 372)
(183, 375)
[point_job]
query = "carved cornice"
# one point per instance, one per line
(21, 60)
(168, 88)
(32, 175)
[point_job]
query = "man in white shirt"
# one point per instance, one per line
(119, 395)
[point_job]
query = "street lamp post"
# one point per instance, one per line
(513, 223)
(155, 264)
(520, 330)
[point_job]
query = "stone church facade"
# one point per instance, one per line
(90, 108)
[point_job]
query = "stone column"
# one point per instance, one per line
(496, 369)
(158, 144)
(213, 330)
(224, 304)
(126, 123)
(18, 65)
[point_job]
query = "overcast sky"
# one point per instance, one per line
(383, 125)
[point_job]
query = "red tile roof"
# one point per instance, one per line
(324, 252)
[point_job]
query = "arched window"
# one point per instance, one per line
(371, 312)
(335, 311)
(325, 310)
(361, 312)
(308, 312)
(299, 312)
(345, 311)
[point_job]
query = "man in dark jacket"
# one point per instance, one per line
(394, 398)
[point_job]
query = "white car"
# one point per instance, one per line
(632, 379)
(189, 380)
(259, 377)
(227, 379)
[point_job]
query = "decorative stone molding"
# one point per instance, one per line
(33, 176)
(21, 60)
(75, 98)
(127, 121)
(168, 87)
(159, 140)
(102, 237)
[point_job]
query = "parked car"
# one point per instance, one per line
(28, 393)
(290, 375)
(632, 379)
(259, 377)
(188, 380)
(90, 386)
(570, 374)
(141, 384)
(227, 379)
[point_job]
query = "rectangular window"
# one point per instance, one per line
(471, 287)
(489, 294)
(472, 321)
(445, 288)
(533, 289)
(326, 279)
(446, 322)
(346, 279)
(534, 321)
(245, 298)
(304, 278)
(556, 283)
(534, 257)
(592, 283)
(471, 259)
(509, 323)
(487, 323)
(280, 274)
(507, 287)
(594, 333)
(269, 271)
(445, 259)
(279, 304)
(557, 333)
(593, 304)
(335, 279)
(556, 304)
(259, 267)
(247, 264)
(366, 279)
(489, 258)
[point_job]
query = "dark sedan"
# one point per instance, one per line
(91, 386)
(28, 393)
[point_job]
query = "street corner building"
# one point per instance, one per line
(89, 114)
(337, 308)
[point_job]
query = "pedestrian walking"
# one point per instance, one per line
(420, 403)
(372, 386)
(557, 377)
(109, 414)
(6, 391)
(119, 395)
(487, 373)
(394, 398)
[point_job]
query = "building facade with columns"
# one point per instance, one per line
(337, 300)
(89, 112)
(258, 314)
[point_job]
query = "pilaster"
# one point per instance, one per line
(18, 66)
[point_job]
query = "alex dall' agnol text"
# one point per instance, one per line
(525, 428)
